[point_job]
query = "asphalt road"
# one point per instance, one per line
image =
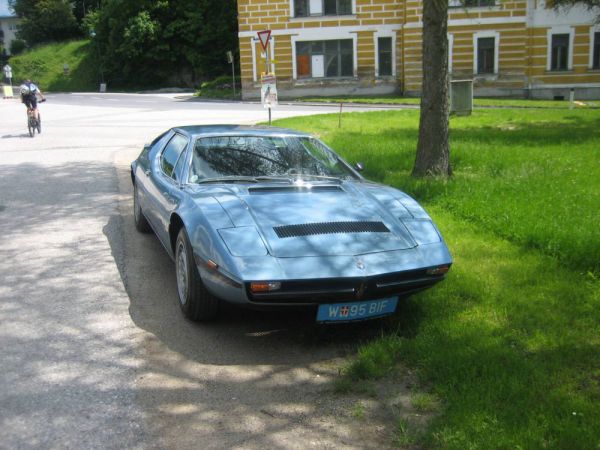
(94, 352)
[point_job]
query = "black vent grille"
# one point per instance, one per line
(310, 229)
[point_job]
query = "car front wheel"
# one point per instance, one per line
(194, 299)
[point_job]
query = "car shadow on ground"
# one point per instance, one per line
(251, 379)
(148, 276)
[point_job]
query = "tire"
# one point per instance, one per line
(39, 125)
(31, 128)
(194, 299)
(141, 223)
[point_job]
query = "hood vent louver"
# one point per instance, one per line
(311, 229)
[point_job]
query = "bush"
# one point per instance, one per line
(220, 87)
(17, 46)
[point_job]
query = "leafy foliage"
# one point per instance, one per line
(17, 46)
(46, 20)
(146, 42)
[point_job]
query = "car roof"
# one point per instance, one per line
(236, 130)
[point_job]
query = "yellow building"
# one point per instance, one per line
(352, 47)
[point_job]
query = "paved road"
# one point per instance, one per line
(93, 350)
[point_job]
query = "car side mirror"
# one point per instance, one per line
(359, 167)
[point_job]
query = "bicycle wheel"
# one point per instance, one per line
(31, 127)
(39, 124)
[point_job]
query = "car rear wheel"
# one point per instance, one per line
(141, 223)
(194, 299)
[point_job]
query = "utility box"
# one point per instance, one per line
(461, 97)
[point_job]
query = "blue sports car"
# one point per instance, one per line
(273, 218)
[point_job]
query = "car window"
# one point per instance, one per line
(179, 168)
(171, 154)
(220, 156)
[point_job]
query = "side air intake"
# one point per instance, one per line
(310, 229)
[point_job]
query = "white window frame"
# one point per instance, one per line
(593, 30)
(559, 30)
(486, 34)
(292, 16)
(324, 35)
(385, 34)
(256, 70)
(450, 47)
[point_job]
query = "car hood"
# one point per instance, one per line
(321, 220)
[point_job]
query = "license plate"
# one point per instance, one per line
(356, 310)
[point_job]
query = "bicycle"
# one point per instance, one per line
(34, 123)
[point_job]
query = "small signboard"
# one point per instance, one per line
(8, 71)
(268, 90)
(263, 37)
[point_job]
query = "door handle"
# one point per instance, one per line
(147, 172)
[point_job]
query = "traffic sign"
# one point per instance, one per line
(269, 90)
(263, 37)
(8, 71)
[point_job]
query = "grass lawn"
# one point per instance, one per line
(44, 64)
(477, 102)
(510, 342)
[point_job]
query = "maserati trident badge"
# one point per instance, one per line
(359, 292)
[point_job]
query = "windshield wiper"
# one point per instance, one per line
(243, 179)
(319, 177)
(274, 178)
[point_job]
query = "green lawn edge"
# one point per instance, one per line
(477, 102)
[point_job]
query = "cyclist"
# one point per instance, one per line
(29, 93)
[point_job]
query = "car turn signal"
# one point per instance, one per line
(440, 270)
(264, 286)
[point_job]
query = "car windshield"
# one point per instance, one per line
(263, 158)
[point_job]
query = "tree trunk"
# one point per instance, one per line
(433, 149)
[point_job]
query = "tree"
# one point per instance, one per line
(433, 149)
(148, 43)
(45, 20)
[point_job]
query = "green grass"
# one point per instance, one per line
(220, 88)
(44, 64)
(510, 342)
(477, 102)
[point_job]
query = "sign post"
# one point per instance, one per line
(268, 89)
(268, 92)
(8, 73)
(231, 61)
(8, 92)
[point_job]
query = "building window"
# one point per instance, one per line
(337, 7)
(596, 51)
(486, 55)
(300, 8)
(384, 55)
(471, 3)
(306, 8)
(316, 59)
(476, 3)
(560, 52)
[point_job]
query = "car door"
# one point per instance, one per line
(164, 191)
(143, 168)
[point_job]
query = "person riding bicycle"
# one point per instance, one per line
(29, 93)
